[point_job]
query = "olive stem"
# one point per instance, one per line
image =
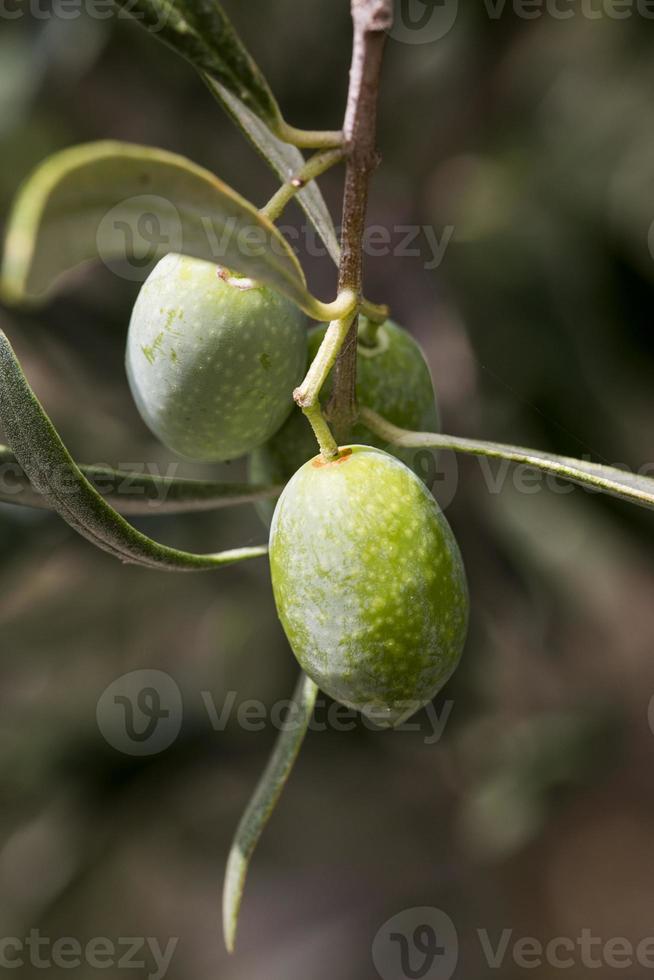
(367, 333)
(371, 19)
(307, 393)
(318, 164)
(308, 139)
(344, 305)
(322, 432)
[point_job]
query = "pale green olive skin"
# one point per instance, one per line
(393, 379)
(369, 583)
(212, 366)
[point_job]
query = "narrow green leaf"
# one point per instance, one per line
(200, 31)
(604, 479)
(135, 492)
(263, 802)
(53, 473)
(285, 160)
(113, 200)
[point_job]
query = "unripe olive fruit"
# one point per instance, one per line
(393, 379)
(212, 360)
(369, 583)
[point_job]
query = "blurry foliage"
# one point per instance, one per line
(535, 140)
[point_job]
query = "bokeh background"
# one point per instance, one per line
(527, 145)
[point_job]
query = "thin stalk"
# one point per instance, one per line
(307, 393)
(368, 330)
(308, 139)
(318, 164)
(322, 432)
(344, 305)
(307, 396)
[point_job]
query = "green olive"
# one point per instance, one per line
(369, 583)
(212, 360)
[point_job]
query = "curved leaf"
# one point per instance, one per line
(604, 479)
(134, 492)
(262, 803)
(115, 201)
(201, 32)
(53, 473)
(286, 161)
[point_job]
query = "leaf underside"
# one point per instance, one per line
(263, 801)
(53, 473)
(92, 201)
(136, 492)
(285, 160)
(598, 477)
(200, 32)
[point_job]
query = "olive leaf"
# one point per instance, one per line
(135, 492)
(53, 473)
(105, 200)
(633, 487)
(202, 33)
(262, 803)
(286, 161)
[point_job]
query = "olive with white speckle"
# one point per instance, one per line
(212, 360)
(369, 582)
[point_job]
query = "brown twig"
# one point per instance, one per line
(371, 19)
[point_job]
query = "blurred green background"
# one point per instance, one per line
(529, 145)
